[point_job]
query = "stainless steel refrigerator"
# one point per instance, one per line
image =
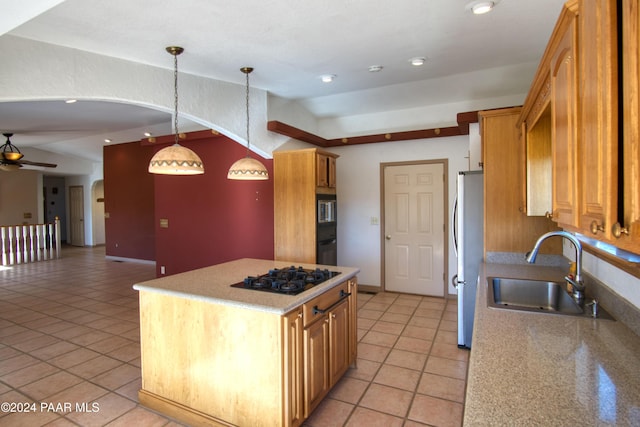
(468, 242)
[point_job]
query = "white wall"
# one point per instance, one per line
(359, 197)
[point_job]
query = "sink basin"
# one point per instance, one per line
(531, 295)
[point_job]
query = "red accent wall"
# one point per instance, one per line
(129, 201)
(213, 219)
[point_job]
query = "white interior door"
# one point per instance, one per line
(414, 224)
(76, 215)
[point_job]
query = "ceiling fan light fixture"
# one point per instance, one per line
(9, 151)
(247, 168)
(176, 159)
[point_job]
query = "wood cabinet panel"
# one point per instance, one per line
(598, 125)
(564, 127)
(316, 360)
(339, 340)
(293, 368)
(630, 217)
(507, 228)
(296, 175)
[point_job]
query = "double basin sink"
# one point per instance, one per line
(536, 296)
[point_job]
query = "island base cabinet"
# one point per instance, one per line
(216, 364)
(327, 343)
(211, 364)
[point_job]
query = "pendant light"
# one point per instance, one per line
(176, 159)
(248, 168)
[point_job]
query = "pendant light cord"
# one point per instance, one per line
(175, 95)
(247, 99)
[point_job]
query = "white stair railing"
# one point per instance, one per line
(25, 243)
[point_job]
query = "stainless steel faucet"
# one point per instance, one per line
(576, 282)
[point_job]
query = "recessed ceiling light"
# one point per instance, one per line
(107, 140)
(418, 61)
(481, 7)
(328, 78)
(71, 101)
(375, 68)
(148, 134)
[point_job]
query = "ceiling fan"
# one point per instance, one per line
(11, 157)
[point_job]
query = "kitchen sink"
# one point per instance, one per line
(531, 295)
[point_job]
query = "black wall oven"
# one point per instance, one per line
(326, 230)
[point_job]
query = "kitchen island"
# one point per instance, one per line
(213, 354)
(549, 369)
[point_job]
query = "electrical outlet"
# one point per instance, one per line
(374, 220)
(162, 269)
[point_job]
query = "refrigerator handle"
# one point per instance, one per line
(454, 226)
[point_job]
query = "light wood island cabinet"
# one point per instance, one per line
(216, 355)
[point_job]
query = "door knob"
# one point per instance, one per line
(618, 230)
(388, 236)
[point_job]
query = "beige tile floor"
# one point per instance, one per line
(70, 352)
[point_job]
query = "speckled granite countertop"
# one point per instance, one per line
(213, 284)
(546, 369)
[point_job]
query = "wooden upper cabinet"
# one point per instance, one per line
(507, 228)
(598, 125)
(554, 82)
(626, 233)
(564, 126)
(325, 171)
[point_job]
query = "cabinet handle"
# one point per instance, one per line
(343, 295)
(595, 227)
(548, 215)
(617, 230)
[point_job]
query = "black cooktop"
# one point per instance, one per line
(289, 280)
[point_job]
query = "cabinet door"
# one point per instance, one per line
(292, 368)
(322, 170)
(564, 128)
(353, 320)
(325, 171)
(598, 137)
(316, 364)
(339, 341)
(628, 231)
(332, 172)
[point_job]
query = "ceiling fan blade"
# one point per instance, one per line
(44, 165)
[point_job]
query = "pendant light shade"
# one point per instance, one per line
(248, 168)
(176, 159)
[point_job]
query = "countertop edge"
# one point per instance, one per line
(278, 305)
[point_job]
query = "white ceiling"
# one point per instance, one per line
(290, 43)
